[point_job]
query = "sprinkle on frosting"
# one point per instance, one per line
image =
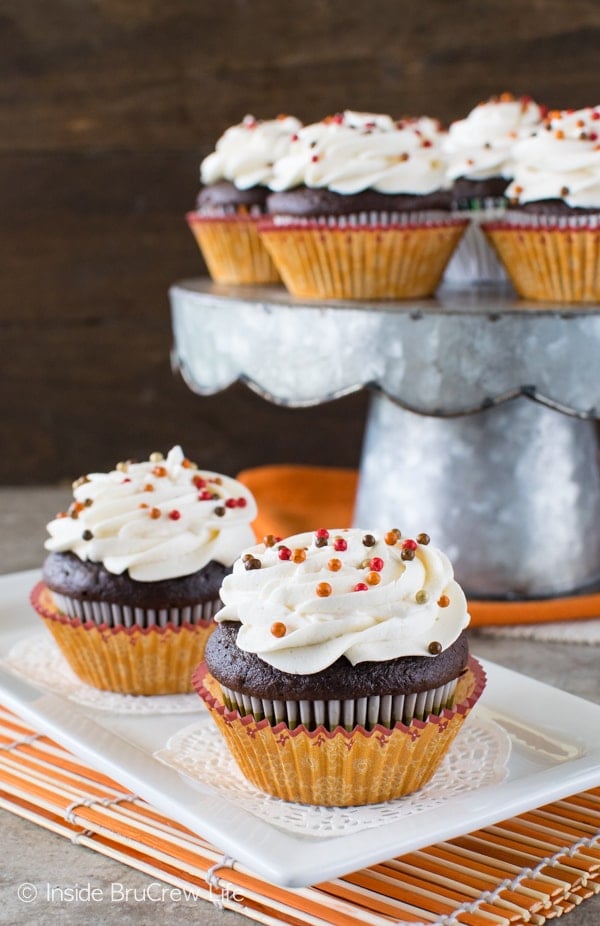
(182, 531)
(401, 607)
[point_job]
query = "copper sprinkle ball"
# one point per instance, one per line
(369, 540)
(443, 601)
(423, 539)
(252, 563)
(334, 564)
(298, 555)
(435, 648)
(323, 589)
(278, 629)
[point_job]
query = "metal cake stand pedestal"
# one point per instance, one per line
(481, 428)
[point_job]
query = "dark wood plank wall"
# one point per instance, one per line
(106, 109)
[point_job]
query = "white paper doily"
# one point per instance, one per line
(38, 659)
(584, 631)
(477, 759)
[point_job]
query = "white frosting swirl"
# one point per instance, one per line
(245, 153)
(159, 519)
(395, 611)
(352, 152)
(481, 145)
(561, 161)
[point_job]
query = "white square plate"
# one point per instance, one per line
(555, 752)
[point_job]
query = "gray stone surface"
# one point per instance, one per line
(50, 864)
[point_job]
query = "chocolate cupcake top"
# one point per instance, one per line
(480, 146)
(159, 519)
(352, 152)
(560, 163)
(245, 153)
(304, 602)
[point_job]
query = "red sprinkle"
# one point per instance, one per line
(339, 544)
(285, 553)
(409, 545)
(376, 564)
(174, 515)
(199, 482)
(321, 532)
(361, 587)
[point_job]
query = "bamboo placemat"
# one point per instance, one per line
(529, 869)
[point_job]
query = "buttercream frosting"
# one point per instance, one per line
(481, 145)
(159, 519)
(353, 151)
(245, 153)
(560, 161)
(307, 600)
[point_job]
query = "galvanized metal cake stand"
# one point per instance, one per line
(481, 429)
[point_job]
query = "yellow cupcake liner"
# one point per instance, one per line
(232, 249)
(128, 660)
(340, 768)
(551, 264)
(362, 261)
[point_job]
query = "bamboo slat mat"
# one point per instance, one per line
(528, 869)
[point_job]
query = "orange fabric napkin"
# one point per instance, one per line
(294, 498)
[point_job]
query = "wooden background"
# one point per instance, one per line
(106, 109)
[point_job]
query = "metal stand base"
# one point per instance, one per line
(512, 494)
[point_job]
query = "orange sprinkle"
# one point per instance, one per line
(155, 513)
(298, 555)
(323, 589)
(372, 578)
(392, 537)
(334, 564)
(443, 601)
(159, 471)
(278, 629)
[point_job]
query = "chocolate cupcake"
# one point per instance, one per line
(549, 238)
(478, 150)
(131, 582)
(359, 209)
(347, 640)
(232, 199)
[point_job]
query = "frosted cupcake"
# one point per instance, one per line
(235, 178)
(339, 672)
(131, 582)
(480, 165)
(549, 240)
(359, 209)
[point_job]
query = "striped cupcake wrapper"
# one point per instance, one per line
(383, 710)
(116, 615)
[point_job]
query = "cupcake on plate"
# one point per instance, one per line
(131, 582)
(339, 672)
(235, 179)
(549, 239)
(359, 209)
(480, 165)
